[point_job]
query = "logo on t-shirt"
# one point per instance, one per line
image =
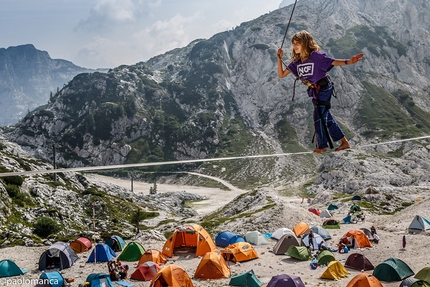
(306, 69)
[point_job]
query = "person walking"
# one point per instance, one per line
(311, 66)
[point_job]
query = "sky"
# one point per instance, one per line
(109, 33)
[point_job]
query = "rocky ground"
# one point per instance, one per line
(283, 212)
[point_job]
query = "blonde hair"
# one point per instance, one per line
(308, 43)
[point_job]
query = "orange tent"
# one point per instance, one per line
(152, 255)
(212, 266)
(189, 235)
(360, 238)
(238, 252)
(300, 228)
(172, 276)
(145, 271)
(81, 244)
(364, 280)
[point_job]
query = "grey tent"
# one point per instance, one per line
(58, 256)
(321, 231)
(284, 243)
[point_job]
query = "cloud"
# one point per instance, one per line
(166, 35)
(107, 13)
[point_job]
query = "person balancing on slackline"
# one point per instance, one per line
(311, 66)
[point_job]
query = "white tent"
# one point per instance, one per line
(325, 214)
(255, 238)
(280, 232)
(418, 224)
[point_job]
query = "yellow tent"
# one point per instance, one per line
(335, 271)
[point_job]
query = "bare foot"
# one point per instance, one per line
(344, 145)
(320, 150)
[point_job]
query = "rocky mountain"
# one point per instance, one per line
(221, 97)
(27, 79)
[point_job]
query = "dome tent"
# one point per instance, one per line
(59, 255)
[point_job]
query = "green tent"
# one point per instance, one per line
(299, 252)
(414, 282)
(424, 274)
(9, 268)
(392, 269)
(247, 279)
(132, 252)
(325, 257)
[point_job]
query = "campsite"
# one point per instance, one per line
(265, 260)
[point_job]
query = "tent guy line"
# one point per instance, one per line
(92, 168)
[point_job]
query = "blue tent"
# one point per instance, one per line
(356, 197)
(52, 279)
(116, 243)
(225, 238)
(247, 279)
(346, 220)
(103, 253)
(332, 207)
(99, 280)
(9, 268)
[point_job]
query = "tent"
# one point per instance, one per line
(424, 274)
(364, 280)
(116, 243)
(316, 240)
(419, 224)
(247, 279)
(172, 276)
(414, 282)
(300, 228)
(368, 233)
(81, 244)
(332, 207)
(132, 252)
(321, 231)
(9, 268)
(325, 214)
(356, 197)
(359, 262)
(331, 223)
(191, 236)
(299, 252)
(99, 280)
(392, 269)
(225, 238)
(101, 253)
(256, 238)
(59, 255)
(284, 243)
(239, 252)
(285, 280)
(51, 279)
(145, 271)
(334, 271)
(325, 257)
(346, 220)
(153, 255)
(280, 232)
(359, 238)
(314, 210)
(212, 266)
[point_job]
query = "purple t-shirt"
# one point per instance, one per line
(314, 68)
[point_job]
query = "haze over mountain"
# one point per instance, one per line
(27, 78)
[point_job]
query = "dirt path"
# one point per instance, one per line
(215, 197)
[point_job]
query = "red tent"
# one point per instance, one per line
(315, 211)
(145, 271)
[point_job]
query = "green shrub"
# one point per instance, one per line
(12, 190)
(46, 226)
(16, 180)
